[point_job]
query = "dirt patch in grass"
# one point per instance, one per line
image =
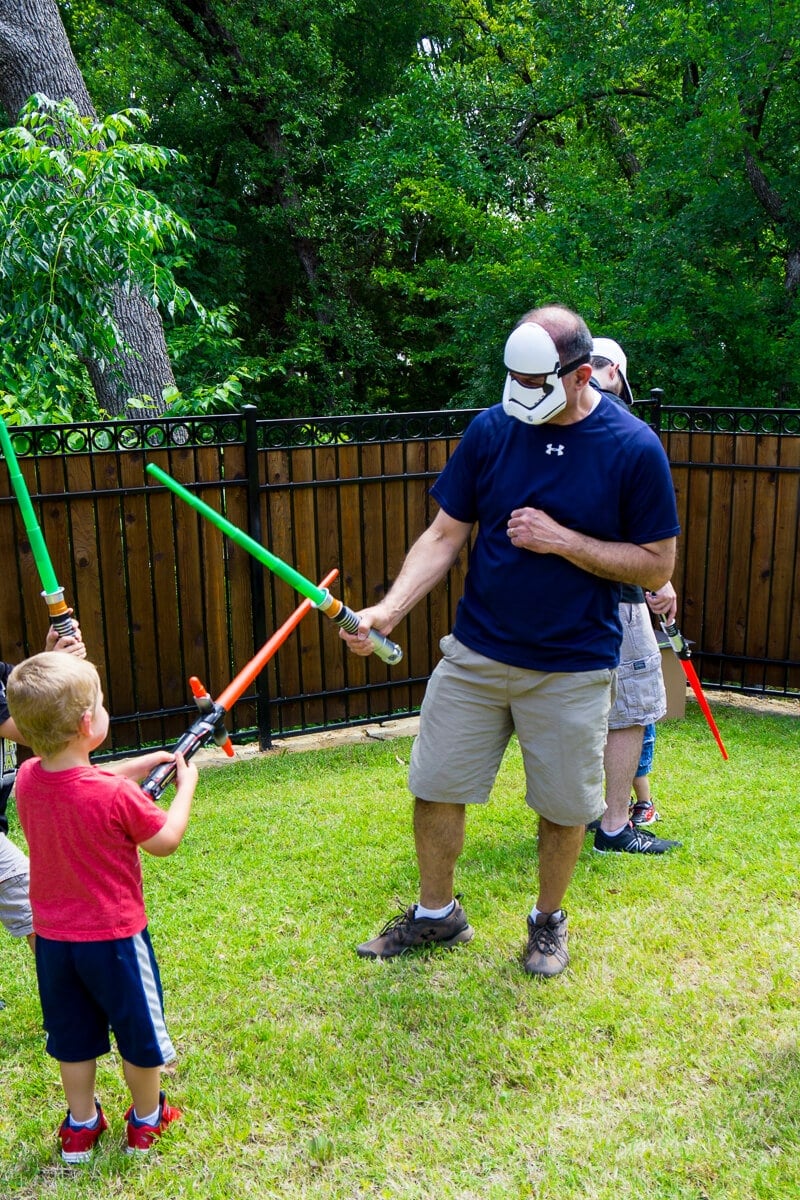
(407, 727)
(778, 706)
(381, 731)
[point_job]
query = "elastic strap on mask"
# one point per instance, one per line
(569, 367)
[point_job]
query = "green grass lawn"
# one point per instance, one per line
(663, 1064)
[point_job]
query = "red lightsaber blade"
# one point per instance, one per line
(681, 648)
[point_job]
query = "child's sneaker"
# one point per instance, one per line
(77, 1144)
(141, 1135)
(643, 813)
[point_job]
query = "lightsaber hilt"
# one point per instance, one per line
(59, 612)
(206, 705)
(387, 650)
(203, 730)
(676, 639)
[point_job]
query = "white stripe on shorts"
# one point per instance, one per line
(150, 989)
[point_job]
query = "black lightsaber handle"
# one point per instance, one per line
(201, 731)
(64, 626)
(60, 615)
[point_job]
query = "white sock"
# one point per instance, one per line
(436, 913)
(151, 1119)
(535, 913)
(90, 1124)
(617, 832)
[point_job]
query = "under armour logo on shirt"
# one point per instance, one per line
(551, 449)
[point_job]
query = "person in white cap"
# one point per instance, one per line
(640, 698)
(610, 368)
(566, 494)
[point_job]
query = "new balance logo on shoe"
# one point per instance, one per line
(632, 841)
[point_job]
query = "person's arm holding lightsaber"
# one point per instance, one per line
(664, 602)
(425, 565)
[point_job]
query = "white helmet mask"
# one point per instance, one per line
(531, 351)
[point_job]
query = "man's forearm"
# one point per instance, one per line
(425, 565)
(648, 566)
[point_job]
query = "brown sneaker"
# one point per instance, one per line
(403, 933)
(546, 952)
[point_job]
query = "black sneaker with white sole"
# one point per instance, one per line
(632, 841)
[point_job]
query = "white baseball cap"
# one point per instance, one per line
(608, 348)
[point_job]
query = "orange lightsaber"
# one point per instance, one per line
(211, 722)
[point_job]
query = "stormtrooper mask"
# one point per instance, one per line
(530, 351)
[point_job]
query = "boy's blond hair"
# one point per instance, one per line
(47, 695)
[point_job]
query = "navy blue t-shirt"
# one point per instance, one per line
(606, 476)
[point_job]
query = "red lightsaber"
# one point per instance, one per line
(681, 648)
(211, 722)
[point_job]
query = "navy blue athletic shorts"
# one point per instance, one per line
(89, 988)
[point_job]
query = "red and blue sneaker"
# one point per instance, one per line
(77, 1144)
(141, 1134)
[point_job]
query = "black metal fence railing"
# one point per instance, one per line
(161, 595)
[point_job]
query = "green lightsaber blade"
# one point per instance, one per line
(51, 589)
(40, 556)
(321, 598)
(288, 574)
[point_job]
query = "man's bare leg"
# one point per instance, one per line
(439, 839)
(546, 953)
(559, 848)
(622, 754)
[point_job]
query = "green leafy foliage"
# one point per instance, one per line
(378, 189)
(74, 227)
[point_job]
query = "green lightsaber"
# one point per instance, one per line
(52, 591)
(321, 598)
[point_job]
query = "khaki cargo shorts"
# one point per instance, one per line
(474, 704)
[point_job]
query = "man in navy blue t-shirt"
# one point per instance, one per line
(570, 496)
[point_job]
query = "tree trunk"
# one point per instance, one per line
(146, 362)
(35, 56)
(775, 208)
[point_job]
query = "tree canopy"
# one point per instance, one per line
(377, 189)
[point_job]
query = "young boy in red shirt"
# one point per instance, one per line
(15, 909)
(94, 961)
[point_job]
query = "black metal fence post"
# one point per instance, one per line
(256, 571)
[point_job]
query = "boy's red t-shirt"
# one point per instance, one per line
(83, 827)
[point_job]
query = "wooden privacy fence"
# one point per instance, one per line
(161, 595)
(737, 480)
